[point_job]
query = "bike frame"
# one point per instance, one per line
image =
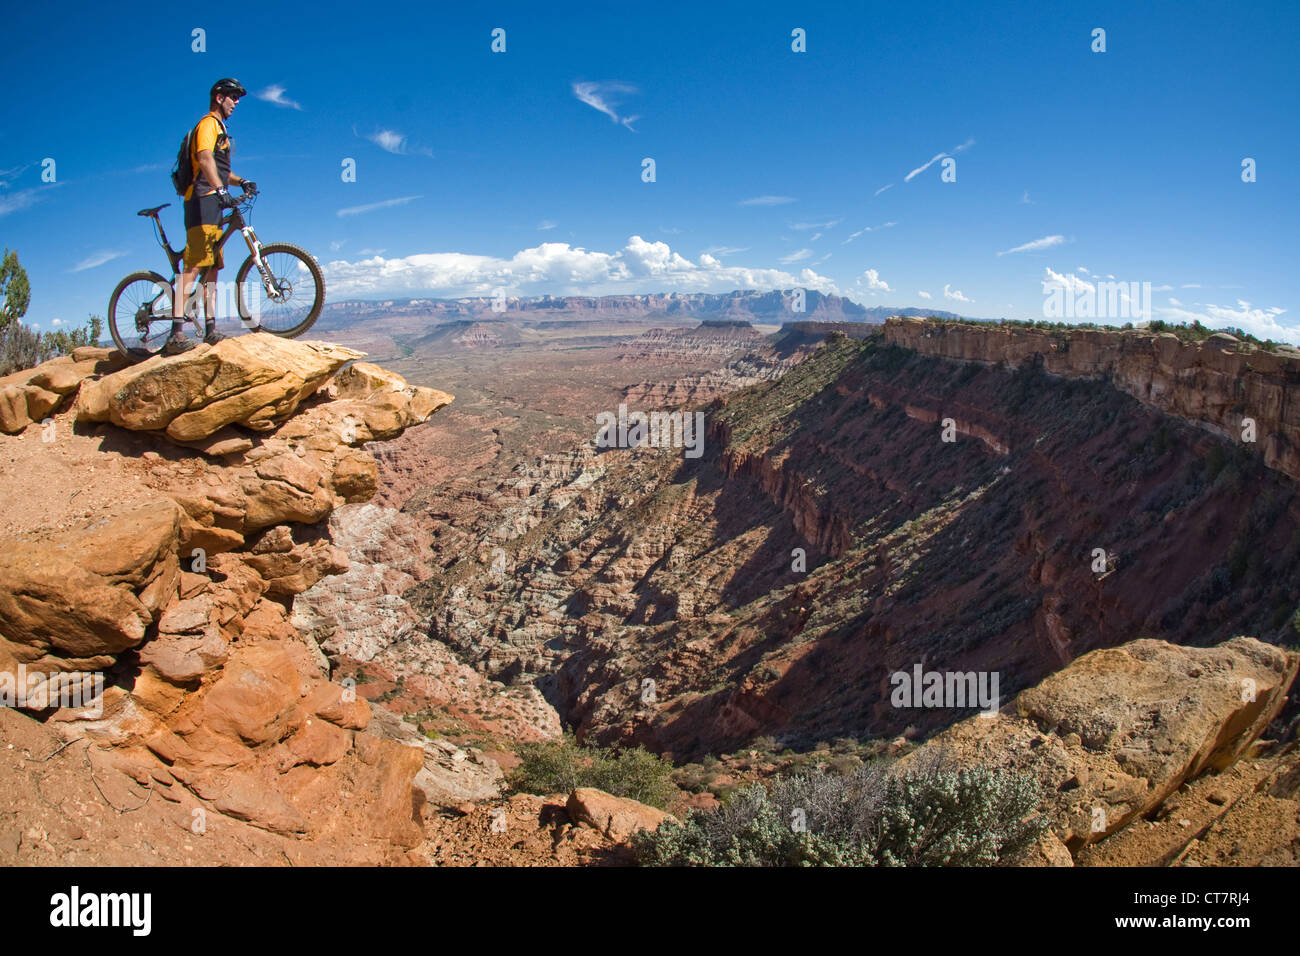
(233, 222)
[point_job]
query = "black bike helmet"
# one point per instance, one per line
(227, 86)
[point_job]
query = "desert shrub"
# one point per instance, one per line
(21, 347)
(562, 766)
(928, 814)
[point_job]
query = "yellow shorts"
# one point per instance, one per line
(201, 247)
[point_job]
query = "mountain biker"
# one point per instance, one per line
(205, 200)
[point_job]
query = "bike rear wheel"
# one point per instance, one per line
(140, 313)
(299, 285)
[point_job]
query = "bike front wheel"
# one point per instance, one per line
(140, 314)
(296, 294)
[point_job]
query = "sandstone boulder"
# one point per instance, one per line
(71, 599)
(1118, 730)
(252, 380)
(616, 817)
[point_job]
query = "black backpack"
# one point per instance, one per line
(183, 170)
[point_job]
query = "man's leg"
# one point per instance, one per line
(185, 288)
(210, 333)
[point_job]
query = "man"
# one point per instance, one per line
(210, 148)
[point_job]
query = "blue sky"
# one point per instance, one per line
(522, 170)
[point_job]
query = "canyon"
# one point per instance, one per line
(397, 590)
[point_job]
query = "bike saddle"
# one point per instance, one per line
(153, 211)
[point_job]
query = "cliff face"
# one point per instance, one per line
(159, 523)
(1212, 384)
(830, 535)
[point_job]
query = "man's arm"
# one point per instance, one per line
(209, 167)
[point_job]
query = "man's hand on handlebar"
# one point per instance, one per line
(226, 200)
(250, 187)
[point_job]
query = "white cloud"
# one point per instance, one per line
(604, 97)
(371, 252)
(56, 322)
(874, 282)
(371, 207)
(1082, 269)
(954, 294)
(12, 202)
(829, 224)
(865, 229)
(97, 259)
(1033, 246)
(1068, 281)
(1190, 285)
(920, 169)
(767, 201)
(275, 94)
(1162, 288)
(881, 190)
(547, 224)
(796, 256)
(725, 250)
(938, 156)
(1259, 322)
(558, 268)
(924, 295)
(1173, 301)
(337, 244)
(1025, 200)
(390, 140)
(7, 176)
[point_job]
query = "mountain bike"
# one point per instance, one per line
(279, 288)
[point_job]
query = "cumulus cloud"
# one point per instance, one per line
(604, 97)
(275, 94)
(1073, 283)
(874, 282)
(1259, 322)
(766, 201)
(559, 269)
(371, 207)
(924, 295)
(954, 294)
(1046, 242)
(97, 259)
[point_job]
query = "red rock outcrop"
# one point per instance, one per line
(1214, 384)
(180, 597)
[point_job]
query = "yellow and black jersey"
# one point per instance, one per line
(210, 134)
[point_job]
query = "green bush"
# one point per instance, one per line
(22, 347)
(928, 814)
(562, 766)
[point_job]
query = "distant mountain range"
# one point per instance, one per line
(771, 308)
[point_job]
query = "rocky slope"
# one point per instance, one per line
(172, 581)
